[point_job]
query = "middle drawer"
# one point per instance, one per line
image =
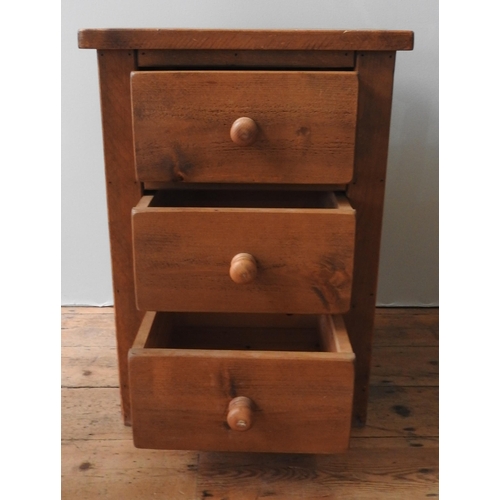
(243, 251)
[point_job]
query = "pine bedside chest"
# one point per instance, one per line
(245, 179)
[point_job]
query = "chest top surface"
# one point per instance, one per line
(378, 40)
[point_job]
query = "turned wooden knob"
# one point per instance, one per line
(239, 414)
(244, 131)
(243, 268)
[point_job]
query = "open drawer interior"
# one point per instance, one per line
(244, 332)
(251, 198)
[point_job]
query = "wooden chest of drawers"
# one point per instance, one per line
(245, 181)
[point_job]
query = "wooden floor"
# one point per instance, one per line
(394, 457)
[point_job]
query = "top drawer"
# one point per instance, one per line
(299, 127)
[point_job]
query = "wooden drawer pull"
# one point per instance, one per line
(239, 415)
(244, 131)
(243, 268)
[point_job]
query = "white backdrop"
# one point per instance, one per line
(409, 262)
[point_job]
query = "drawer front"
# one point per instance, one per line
(302, 126)
(184, 259)
(296, 402)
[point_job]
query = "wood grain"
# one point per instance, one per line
(182, 258)
(92, 413)
(113, 469)
(123, 192)
(401, 411)
(153, 186)
(245, 39)
(245, 59)
(417, 328)
(366, 193)
(375, 474)
(180, 397)
(88, 327)
(306, 126)
(400, 366)
(387, 469)
(84, 366)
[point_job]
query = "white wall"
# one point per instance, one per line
(409, 262)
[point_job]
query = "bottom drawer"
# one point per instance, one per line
(241, 382)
